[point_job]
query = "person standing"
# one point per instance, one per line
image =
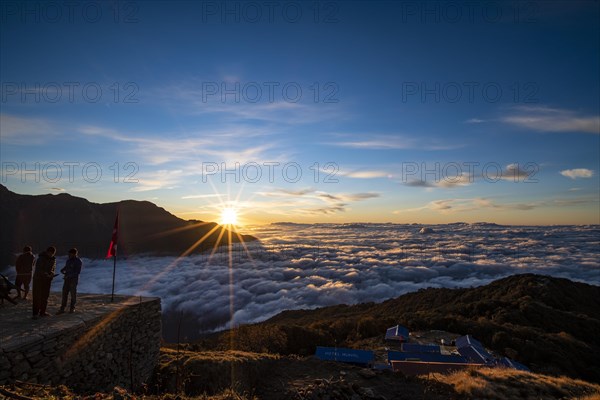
(42, 279)
(24, 268)
(72, 269)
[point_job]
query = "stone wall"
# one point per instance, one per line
(102, 346)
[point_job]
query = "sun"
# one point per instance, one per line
(229, 216)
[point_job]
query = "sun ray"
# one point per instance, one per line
(231, 306)
(243, 243)
(216, 245)
(176, 230)
(239, 194)
(199, 241)
(174, 263)
(212, 185)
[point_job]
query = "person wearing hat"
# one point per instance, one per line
(24, 268)
(42, 279)
(71, 270)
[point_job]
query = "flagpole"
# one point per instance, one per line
(112, 251)
(112, 295)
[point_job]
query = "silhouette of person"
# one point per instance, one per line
(24, 267)
(72, 269)
(42, 279)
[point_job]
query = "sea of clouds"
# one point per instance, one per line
(297, 266)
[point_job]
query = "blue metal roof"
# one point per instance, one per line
(428, 357)
(397, 332)
(473, 350)
(507, 362)
(420, 348)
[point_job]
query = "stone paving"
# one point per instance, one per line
(17, 328)
(102, 345)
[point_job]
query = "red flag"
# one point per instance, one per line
(112, 249)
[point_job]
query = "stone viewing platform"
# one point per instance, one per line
(101, 345)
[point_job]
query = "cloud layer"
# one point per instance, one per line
(306, 266)
(546, 119)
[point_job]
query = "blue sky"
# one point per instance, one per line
(391, 111)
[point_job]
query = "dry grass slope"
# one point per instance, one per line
(501, 384)
(26, 391)
(209, 372)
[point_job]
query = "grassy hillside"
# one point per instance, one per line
(549, 324)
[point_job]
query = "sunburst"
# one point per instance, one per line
(229, 216)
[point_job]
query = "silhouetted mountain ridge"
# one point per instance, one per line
(67, 221)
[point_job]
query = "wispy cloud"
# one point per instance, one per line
(475, 121)
(295, 193)
(447, 206)
(512, 172)
(161, 179)
(546, 119)
(577, 173)
(310, 201)
(448, 182)
(27, 131)
(463, 179)
(368, 142)
(285, 193)
(366, 174)
(162, 148)
(488, 203)
(327, 210)
(202, 196)
(190, 98)
(419, 183)
(458, 205)
(360, 196)
(377, 141)
(516, 173)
